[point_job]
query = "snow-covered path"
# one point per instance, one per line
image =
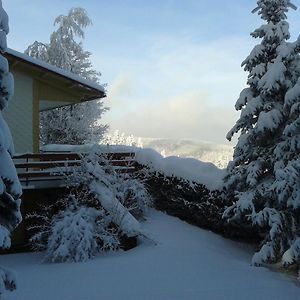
(187, 263)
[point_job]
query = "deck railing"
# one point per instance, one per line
(41, 168)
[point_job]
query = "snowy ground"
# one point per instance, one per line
(187, 263)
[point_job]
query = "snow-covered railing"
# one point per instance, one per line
(45, 167)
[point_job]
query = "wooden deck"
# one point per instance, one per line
(46, 170)
(43, 178)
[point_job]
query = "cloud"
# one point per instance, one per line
(188, 116)
(179, 89)
(121, 87)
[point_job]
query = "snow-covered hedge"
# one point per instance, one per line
(189, 169)
(195, 204)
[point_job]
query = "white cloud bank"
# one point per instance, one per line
(180, 89)
(188, 116)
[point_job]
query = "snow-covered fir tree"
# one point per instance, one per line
(77, 124)
(10, 188)
(264, 176)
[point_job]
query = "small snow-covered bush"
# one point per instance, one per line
(78, 233)
(72, 237)
(133, 195)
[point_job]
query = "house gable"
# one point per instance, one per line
(38, 87)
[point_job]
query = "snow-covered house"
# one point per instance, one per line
(38, 87)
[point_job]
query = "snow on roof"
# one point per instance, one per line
(56, 70)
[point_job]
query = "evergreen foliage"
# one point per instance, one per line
(77, 124)
(79, 232)
(263, 178)
(193, 203)
(10, 187)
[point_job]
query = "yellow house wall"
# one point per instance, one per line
(22, 114)
(45, 91)
(19, 113)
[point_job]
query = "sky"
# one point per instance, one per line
(172, 67)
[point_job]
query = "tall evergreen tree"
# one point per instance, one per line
(80, 123)
(263, 179)
(10, 188)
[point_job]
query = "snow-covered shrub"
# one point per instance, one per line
(263, 178)
(72, 237)
(100, 212)
(100, 176)
(77, 124)
(132, 193)
(78, 233)
(10, 187)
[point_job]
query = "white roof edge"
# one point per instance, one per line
(57, 70)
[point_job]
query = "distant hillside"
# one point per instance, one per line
(218, 154)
